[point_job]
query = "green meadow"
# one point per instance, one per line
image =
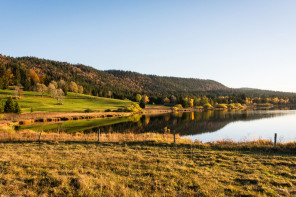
(71, 102)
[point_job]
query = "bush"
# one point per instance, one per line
(177, 107)
(208, 106)
(108, 110)
(133, 108)
(221, 106)
(118, 110)
(235, 105)
(88, 110)
(142, 104)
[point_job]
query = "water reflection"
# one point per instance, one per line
(184, 123)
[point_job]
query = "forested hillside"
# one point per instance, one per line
(29, 72)
(98, 82)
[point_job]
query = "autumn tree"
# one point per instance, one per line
(54, 83)
(10, 76)
(191, 102)
(145, 98)
(173, 100)
(80, 89)
(166, 101)
(73, 87)
(33, 76)
(144, 101)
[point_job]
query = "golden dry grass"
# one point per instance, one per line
(10, 135)
(142, 169)
(147, 164)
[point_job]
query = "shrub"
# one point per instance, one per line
(133, 108)
(88, 110)
(118, 110)
(235, 105)
(177, 107)
(208, 106)
(142, 104)
(221, 106)
(108, 110)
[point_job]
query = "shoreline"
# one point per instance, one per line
(28, 118)
(44, 117)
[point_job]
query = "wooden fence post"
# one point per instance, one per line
(275, 136)
(174, 137)
(40, 136)
(99, 131)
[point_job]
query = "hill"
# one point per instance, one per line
(28, 71)
(100, 82)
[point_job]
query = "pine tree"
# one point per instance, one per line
(9, 106)
(17, 108)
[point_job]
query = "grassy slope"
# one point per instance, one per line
(71, 103)
(143, 169)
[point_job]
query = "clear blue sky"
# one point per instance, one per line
(250, 43)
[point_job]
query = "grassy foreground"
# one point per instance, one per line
(71, 102)
(146, 169)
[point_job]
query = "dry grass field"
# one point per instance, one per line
(142, 165)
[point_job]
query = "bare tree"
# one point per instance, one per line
(52, 90)
(109, 94)
(41, 88)
(18, 91)
(59, 96)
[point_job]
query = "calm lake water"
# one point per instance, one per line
(203, 126)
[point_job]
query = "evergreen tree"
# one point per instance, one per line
(1, 83)
(142, 104)
(1, 106)
(9, 106)
(5, 81)
(17, 79)
(17, 108)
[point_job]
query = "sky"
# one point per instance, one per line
(246, 43)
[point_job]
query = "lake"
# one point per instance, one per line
(203, 126)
